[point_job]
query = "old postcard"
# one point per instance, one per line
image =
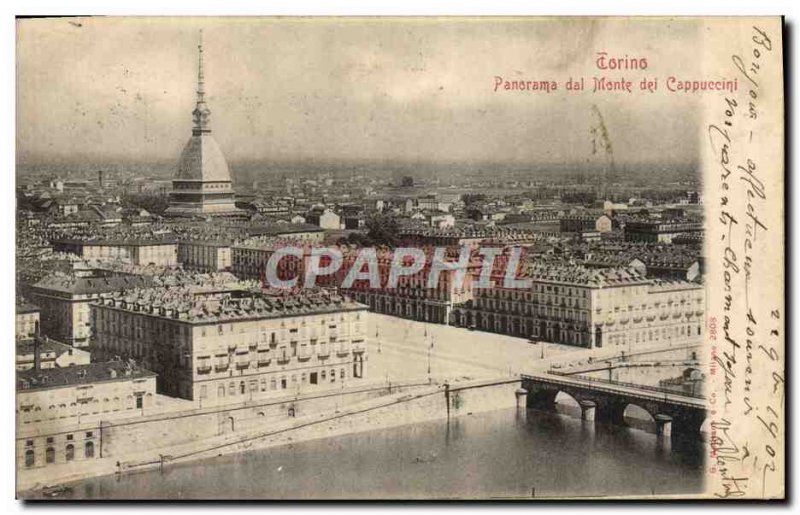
(371, 258)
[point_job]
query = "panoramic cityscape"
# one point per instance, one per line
(199, 327)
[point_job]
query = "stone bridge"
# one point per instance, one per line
(605, 401)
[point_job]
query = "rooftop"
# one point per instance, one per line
(24, 307)
(102, 240)
(583, 276)
(76, 285)
(26, 347)
(80, 374)
(200, 307)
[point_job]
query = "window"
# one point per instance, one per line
(50, 455)
(69, 453)
(139, 402)
(89, 434)
(30, 458)
(88, 450)
(313, 378)
(242, 387)
(49, 439)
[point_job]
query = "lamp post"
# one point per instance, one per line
(430, 348)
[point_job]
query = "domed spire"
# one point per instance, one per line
(201, 114)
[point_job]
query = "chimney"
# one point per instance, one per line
(37, 360)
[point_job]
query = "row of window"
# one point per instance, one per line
(283, 383)
(537, 288)
(50, 450)
(33, 413)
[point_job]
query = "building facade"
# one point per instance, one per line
(589, 308)
(66, 396)
(224, 347)
(27, 320)
(413, 297)
(143, 252)
(205, 256)
(658, 231)
(586, 223)
(64, 301)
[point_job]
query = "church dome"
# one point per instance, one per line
(202, 160)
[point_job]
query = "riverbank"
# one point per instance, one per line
(499, 454)
(411, 405)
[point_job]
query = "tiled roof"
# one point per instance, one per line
(69, 283)
(80, 374)
(189, 305)
(583, 276)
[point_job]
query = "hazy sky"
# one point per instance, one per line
(293, 89)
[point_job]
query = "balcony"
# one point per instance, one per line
(242, 365)
(282, 360)
(204, 369)
(324, 352)
(221, 367)
(342, 350)
(264, 362)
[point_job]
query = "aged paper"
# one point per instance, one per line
(400, 258)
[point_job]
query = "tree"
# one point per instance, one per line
(154, 203)
(382, 229)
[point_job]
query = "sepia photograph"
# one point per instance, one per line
(399, 258)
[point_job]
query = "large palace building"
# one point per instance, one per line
(589, 308)
(224, 345)
(202, 184)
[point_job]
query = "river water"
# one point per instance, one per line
(502, 454)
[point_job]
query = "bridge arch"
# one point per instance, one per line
(705, 427)
(566, 399)
(638, 417)
(542, 398)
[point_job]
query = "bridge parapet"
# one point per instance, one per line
(606, 401)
